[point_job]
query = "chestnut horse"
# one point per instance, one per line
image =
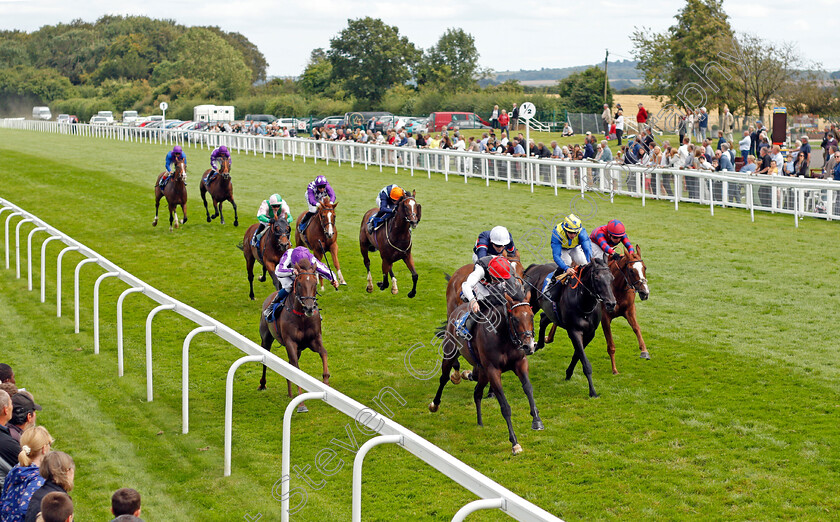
(175, 193)
(577, 309)
(502, 342)
(274, 243)
(629, 277)
(221, 190)
(393, 240)
(298, 325)
(321, 235)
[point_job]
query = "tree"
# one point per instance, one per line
(203, 55)
(809, 94)
(254, 59)
(317, 76)
(451, 63)
(370, 57)
(584, 91)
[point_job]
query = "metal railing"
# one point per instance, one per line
(799, 197)
(386, 429)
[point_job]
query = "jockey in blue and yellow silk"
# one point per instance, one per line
(570, 245)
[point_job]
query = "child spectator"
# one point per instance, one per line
(56, 507)
(125, 501)
(59, 472)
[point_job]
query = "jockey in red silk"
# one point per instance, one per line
(605, 238)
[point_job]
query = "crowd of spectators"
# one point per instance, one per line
(254, 128)
(35, 479)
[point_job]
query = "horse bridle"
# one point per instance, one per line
(516, 337)
(598, 298)
(278, 235)
(634, 285)
(410, 237)
(300, 299)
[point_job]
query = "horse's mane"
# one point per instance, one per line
(304, 265)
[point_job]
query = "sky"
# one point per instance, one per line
(534, 35)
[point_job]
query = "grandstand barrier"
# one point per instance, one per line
(799, 197)
(386, 429)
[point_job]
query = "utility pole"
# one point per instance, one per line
(605, 75)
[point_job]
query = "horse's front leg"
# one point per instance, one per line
(494, 375)
(173, 217)
(204, 199)
(521, 370)
(446, 369)
(235, 213)
(157, 206)
(634, 324)
(184, 211)
(409, 262)
(318, 347)
(544, 322)
(386, 268)
(219, 211)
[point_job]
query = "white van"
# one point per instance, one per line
(108, 115)
(41, 113)
(213, 113)
(129, 117)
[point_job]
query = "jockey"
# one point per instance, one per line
(271, 209)
(570, 244)
(176, 153)
(216, 162)
(488, 270)
(286, 273)
(493, 243)
(315, 192)
(387, 200)
(605, 238)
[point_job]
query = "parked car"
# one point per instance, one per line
(385, 123)
(41, 113)
(129, 117)
(356, 120)
(292, 123)
(462, 120)
(63, 118)
(99, 120)
(108, 115)
(267, 118)
(416, 125)
(330, 122)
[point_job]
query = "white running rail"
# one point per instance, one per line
(469, 478)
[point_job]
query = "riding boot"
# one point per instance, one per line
(464, 325)
(258, 234)
(557, 282)
(305, 222)
(278, 299)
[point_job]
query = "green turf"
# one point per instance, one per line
(734, 417)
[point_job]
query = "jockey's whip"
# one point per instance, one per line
(327, 260)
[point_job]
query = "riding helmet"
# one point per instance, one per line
(320, 181)
(500, 268)
(396, 193)
(177, 150)
(224, 150)
(275, 200)
(499, 236)
(616, 228)
(572, 224)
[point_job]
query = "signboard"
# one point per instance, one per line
(527, 111)
(164, 106)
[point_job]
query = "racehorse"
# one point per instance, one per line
(629, 277)
(456, 280)
(323, 237)
(503, 339)
(393, 240)
(274, 243)
(221, 190)
(578, 308)
(175, 193)
(298, 325)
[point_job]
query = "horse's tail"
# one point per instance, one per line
(447, 276)
(241, 245)
(440, 331)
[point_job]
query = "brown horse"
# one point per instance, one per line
(298, 325)
(274, 243)
(456, 280)
(503, 339)
(221, 190)
(629, 278)
(322, 236)
(175, 193)
(393, 240)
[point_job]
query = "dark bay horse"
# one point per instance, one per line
(393, 240)
(321, 235)
(298, 325)
(456, 280)
(578, 308)
(503, 339)
(175, 193)
(221, 190)
(629, 277)
(274, 243)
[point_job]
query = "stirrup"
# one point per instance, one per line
(460, 328)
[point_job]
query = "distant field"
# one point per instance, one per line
(734, 417)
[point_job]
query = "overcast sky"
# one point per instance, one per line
(535, 34)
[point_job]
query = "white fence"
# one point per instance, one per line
(492, 495)
(799, 197)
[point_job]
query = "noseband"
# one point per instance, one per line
(516, 337)
(300, 299)
(627, 280)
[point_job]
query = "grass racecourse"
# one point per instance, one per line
(734, 417)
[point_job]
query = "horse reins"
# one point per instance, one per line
(634, 286)
(410, 237)
(515, 337)
(299, 298)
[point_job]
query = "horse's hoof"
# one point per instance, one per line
(412, 294)
(261, 388)
(170, 229)
(236, 223)
(369, 289)
(433, 407)
(539, 347)
(490, 395)
(223, 222)
(302, 409)
(381, 286)
(394, 291)
(645, 355)
(466, 375)
(261, 279)
(455, 377)
(615, 372)
(184, 222)
(208, 219)
(537, 425)
(568, 376)
(154, 223)
(593, 396)
(517, 449)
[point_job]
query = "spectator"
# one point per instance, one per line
(567, 129)
(648, 142)
(504, 122)
(9, 447)
(9, 388)
(764, 166)
(589, 149)
(619, 126)
(728, 123)
(23, 480)
(514, 117)
(606, 153)
(684, 127)
(23, 414)
(806, 148)
(721, 139)
(606, 117)
(724, 159)
(749, 169)
(745, 145)
(518, 149)
(59, 472)
(828, 168)
(755, 132)
(125, 501)
(837, 176)
(829, 141)
(642, 116)
(494, 117)
(556, 151)
(800, 168)
(6, 374)
(763, 142)
(56, 507)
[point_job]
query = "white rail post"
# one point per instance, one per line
(58, 278)
(29, 253)
(17, 244)
(750, 201)
(711, 197)
(229, 403)
(152, 314)
(126, 292)
(357, 469)
(44, 266)
(9, 218)
(478, 505)
(185, 376)
(287, 449)
(95, 307)
(79, 266)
